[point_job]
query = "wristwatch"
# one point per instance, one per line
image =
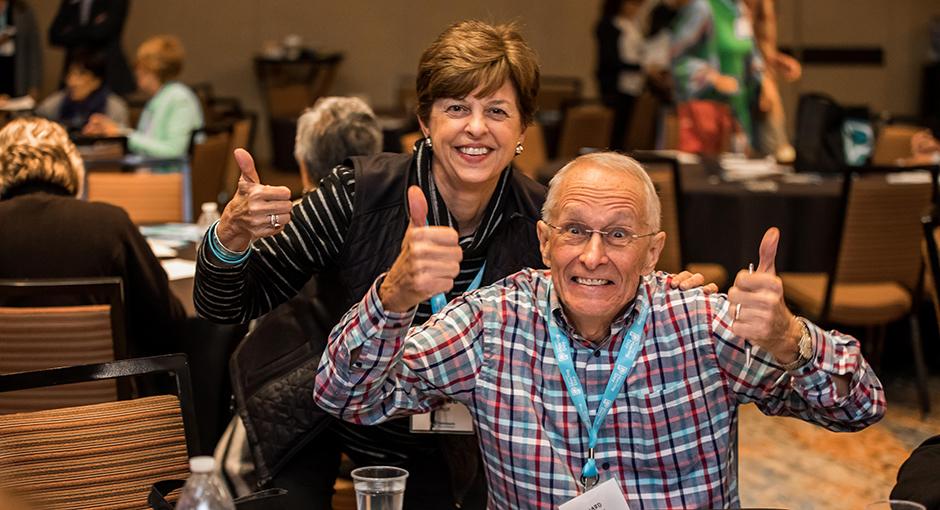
(805, 347)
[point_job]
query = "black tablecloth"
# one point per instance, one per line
(723, 222)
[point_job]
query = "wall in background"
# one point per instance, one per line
(383, 40)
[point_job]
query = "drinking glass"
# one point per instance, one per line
(379, 487)
(895, 504)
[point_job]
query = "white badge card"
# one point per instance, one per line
(605, 496)
(452, 418)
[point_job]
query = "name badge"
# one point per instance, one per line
(452, 418)
(605, 496)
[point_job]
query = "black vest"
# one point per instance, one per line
(274, 368)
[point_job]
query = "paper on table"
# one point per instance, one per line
(162, 249)
(179, 269)
(914, 177)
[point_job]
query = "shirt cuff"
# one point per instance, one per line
(832, 355)
(381, 333)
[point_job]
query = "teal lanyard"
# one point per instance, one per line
(438, 301)
(626, 358)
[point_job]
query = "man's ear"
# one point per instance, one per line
(653, 251)
(544, 233)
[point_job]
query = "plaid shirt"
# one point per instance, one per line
(670, 438)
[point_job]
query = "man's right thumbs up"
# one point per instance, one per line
(427, 264)
(255, 211)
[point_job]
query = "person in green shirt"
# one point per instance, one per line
(173, 111)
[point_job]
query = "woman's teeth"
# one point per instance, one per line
(474, 151)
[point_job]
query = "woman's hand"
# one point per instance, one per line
(255, 211)
(100, 125)
(427, 264)
(686, 280)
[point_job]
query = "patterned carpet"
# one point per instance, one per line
(786, 463)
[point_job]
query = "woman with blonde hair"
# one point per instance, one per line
(173, 111)
(49, 233)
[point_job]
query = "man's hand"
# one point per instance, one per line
(686, 280)
(764, 318)
(427, 264)
(788, 67)
(255, 211)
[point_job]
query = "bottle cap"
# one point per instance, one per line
(202, 464)
(210, 206)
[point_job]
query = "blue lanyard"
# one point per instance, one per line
(438, 301)
(626, 358)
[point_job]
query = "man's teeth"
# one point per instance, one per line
(474, 151)
(591, 281)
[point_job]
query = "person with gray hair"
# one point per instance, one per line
(534, 354)
(48, 232)
(335, 128)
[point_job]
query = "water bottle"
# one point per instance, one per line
(210, 213)
(204, 490)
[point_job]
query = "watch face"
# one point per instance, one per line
(806, 344)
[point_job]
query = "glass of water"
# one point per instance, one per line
(895, 504)
(379, 487)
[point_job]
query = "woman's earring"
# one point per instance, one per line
(519, 148)
(427, 140)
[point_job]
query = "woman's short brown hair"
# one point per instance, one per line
(39, 150)
(162, 55)
(470, 54)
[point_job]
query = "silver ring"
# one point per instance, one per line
(274, 222)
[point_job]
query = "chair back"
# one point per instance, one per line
(893, 143)
(147, 197)
(664, 173)
(101, 455)
(208, 160)
(644, 122)
(881, 232)
(584, 126)
(535, 155)
(557, 92)
(408, 141)
(931, 225)
(243, 133)
(62, 333)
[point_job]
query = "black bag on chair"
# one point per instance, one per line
(261, 500)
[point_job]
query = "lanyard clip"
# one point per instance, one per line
(589, 475)
(589, 482)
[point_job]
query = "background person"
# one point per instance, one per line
(620, 77)
(171, 114)
(85, 93)
(41, 174)
(335, 129)
(666, 369)
(97, 24)
(20, 52)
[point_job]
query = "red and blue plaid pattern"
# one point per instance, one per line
(670, 439)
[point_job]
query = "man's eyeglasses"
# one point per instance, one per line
(577, 234)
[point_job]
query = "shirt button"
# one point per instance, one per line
(357, 364)
(597, 354)
(606, 465)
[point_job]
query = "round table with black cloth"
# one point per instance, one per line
(723, 222)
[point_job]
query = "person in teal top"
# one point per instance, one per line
(714, 62)
(173, 111)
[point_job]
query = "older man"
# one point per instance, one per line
(596, 370)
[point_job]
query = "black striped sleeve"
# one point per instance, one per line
(279, 265)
